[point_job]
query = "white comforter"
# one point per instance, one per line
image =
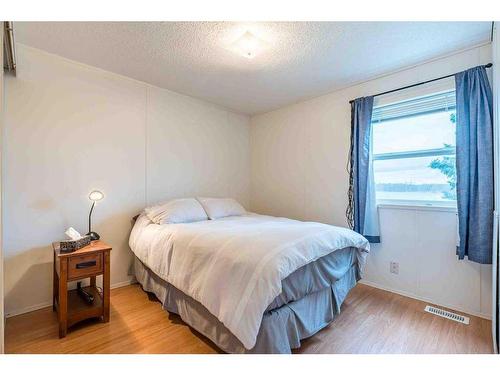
(234, 266)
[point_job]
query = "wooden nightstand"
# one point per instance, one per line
(89, 261)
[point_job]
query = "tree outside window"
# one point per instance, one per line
(447, 166)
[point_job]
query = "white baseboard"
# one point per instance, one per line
(428, 300)
(43, 305)
(124, 283)
(28, 309)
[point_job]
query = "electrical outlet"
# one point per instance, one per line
(394, 268)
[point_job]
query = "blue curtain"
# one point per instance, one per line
(474, 165)
(362, 209)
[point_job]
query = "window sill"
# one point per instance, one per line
(416, 207)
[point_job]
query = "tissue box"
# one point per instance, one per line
(73, 245)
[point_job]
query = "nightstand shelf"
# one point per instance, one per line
(79, 310)
(88, 262)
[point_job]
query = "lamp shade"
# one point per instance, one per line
(96, 195)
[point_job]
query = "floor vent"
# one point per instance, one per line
(447, 314)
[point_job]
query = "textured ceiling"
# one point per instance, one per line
(301, 59)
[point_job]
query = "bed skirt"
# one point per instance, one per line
(281, 329)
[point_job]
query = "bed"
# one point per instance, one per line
(250, 283)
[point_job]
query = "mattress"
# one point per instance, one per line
(235, 266)
(310, 300)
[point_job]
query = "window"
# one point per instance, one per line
(414, 151)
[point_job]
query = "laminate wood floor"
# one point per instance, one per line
(371, 321)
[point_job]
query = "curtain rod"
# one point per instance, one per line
(489, 65)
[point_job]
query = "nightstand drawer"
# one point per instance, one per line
(84, 265)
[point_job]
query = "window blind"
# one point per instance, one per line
(444, 101)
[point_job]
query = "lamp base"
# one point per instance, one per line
(93, 236)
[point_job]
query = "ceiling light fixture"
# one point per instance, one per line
(248, 45)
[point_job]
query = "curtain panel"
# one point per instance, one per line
(474, 163)
(362, 214)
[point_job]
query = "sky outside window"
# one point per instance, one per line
(414, 178)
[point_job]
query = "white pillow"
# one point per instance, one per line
(221, 207)
(184, 210)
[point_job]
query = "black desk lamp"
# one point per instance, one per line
(94, 196)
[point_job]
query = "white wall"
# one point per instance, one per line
(1, 151)
(71, 128)
(298, 169)
(208, 155)
(422, 241)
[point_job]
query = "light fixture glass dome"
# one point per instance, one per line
(96, 195)
(248, 45)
